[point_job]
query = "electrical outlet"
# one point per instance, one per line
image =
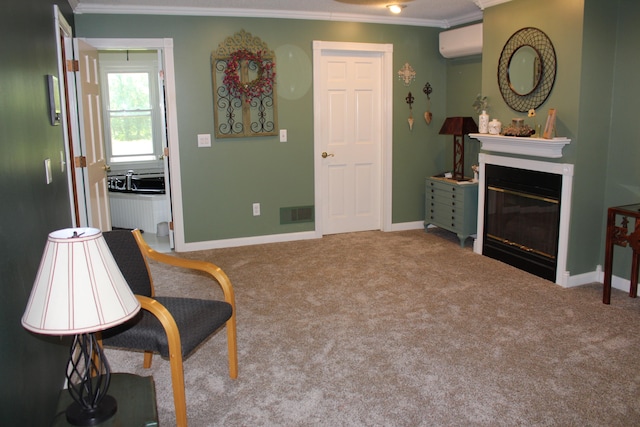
(256, 209)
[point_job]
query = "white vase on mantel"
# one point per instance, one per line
(495, 127)
(483, 122)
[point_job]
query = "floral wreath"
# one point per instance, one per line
(262, 84)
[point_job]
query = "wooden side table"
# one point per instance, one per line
(136, 397)
(620, 235)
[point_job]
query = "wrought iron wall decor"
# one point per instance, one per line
(533, 42)
(244, 89)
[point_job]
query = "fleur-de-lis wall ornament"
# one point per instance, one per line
(409, 99)
(407, 74)
(427, 91)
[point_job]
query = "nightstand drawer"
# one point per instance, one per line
(449, 199)
(434, 207)
(447, 221)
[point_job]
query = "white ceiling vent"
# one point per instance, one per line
(462, 41)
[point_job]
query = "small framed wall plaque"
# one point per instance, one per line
(551, 124)
(55, 110)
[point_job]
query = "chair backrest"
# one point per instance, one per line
(127, 254)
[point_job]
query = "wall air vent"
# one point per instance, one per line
(297, 214)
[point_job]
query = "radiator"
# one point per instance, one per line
(143, 211)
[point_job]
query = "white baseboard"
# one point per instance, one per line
(276, 238)
(247, 241)
(597, 276)
(404, 226)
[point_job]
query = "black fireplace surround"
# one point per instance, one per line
(522, 218)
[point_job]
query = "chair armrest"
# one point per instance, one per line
(204, 266)
(163, 315)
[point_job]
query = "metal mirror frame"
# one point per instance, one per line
(537, 39)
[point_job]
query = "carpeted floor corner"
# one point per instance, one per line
(401, 329)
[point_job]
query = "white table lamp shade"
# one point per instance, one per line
(79, 288)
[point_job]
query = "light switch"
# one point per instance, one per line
(204, 140)
(283, 135)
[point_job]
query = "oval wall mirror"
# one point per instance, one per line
(527, 69)
(524, 70)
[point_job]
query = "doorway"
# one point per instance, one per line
(79, 193)
(352, 136)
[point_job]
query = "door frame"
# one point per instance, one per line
(64, 46)
(165, 45)
(386, 158)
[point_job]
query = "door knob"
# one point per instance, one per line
(325, 155)
(106, 168)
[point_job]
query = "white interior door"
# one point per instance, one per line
(350, 131)
(92, 143)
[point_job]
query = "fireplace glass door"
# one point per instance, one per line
(522, 218)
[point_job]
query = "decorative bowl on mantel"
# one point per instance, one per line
(518, 128)
(522, 132)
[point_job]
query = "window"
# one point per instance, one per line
(132, 114)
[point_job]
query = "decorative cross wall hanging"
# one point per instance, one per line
(406, 74)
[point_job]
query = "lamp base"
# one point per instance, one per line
(79, 416)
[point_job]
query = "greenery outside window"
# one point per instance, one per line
(133, 135)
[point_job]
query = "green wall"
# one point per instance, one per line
(623, 175)
(31, 366)
(464, 83)
(220, 184)
(584, 34)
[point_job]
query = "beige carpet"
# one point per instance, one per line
(402, 329)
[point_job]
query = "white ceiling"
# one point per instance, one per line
(430, 13)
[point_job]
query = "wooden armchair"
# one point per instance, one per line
(171, 326)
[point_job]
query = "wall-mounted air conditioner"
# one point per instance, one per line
(462, 41)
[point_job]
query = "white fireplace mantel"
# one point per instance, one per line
(564, 169)
(538, 147)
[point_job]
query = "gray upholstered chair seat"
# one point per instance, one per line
(196, 319)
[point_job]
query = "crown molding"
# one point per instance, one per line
(82, 8)
(464, 19)
(483, 4)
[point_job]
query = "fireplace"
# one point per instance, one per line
(522, 218)
(523, 214)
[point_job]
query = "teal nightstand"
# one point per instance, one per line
(452, 205)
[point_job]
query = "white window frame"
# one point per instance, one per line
(149, 66)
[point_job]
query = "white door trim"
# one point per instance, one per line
(166, 45)
(386, 50)
(64, 43)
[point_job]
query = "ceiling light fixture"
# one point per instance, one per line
(396, 8)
